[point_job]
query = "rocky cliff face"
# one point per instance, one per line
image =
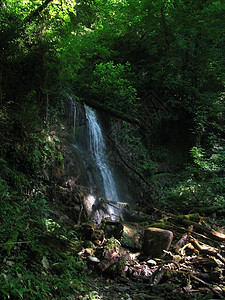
(78, 186)
(69, 183)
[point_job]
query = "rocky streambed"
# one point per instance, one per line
(183, 259)
(165, 255)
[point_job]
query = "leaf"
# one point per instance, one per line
(10, 243)
(45, 263)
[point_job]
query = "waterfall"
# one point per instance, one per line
(91, 151)
(99, 155)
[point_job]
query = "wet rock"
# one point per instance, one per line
(98, 237)
(156, 240)
(111, 254)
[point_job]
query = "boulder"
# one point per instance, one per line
(129, 235)
(132, 237)
(92, 233)
(112, 229)
(155, 241)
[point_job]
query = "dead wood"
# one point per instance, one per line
(215, 235)
(188, 273)
(205, 262)
(181, 243)
(189, 266)
(202, 236)
(207, 285)
(159, 274)
(194, 217)
(203, 248)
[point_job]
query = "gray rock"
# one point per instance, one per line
(156, 240)
(122, 289)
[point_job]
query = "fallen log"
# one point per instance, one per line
(194, 217)
(203, 248)
(215, 235)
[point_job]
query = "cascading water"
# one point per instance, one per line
(90, 147)
(98, 152)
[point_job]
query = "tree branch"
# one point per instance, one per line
(112, 111)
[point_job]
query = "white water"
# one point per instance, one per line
(98, 152)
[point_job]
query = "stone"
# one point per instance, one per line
(151, 262)
(93, 259)
(112, 229)
(129, 235)
(90, 232)
(122, 289)
(132, 237)
(155, 241)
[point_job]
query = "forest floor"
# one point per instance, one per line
(101, 287)
(193, 267)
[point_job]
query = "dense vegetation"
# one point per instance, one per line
(157, 69)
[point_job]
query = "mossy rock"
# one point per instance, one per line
(132, 236)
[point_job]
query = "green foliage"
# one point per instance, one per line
(129, 141)
(201, 183)
(213, 163)
(23, 271)
(93, 295)
(40, 283)
(111, 85)
(170, 55)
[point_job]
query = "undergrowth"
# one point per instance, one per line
(30, 266)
